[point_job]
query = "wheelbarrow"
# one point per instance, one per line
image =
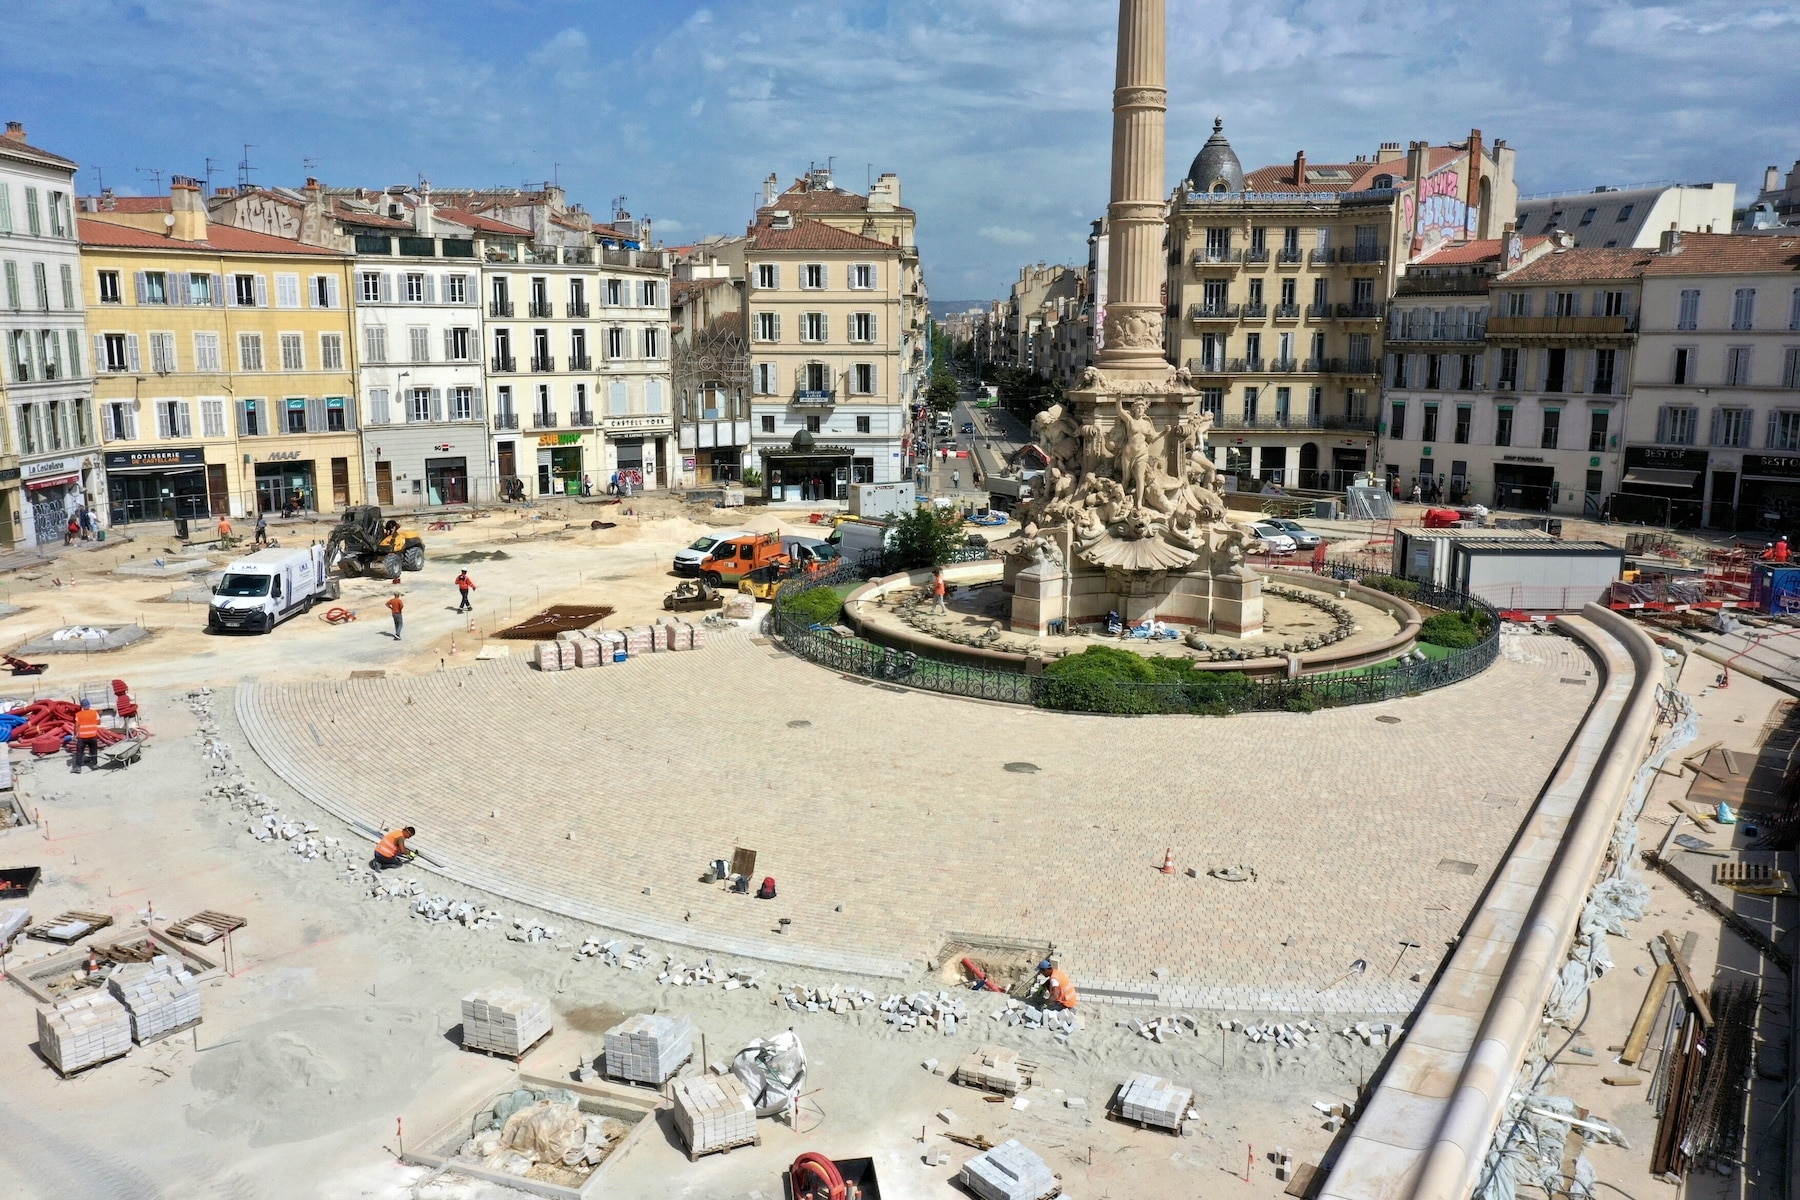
(123, 754)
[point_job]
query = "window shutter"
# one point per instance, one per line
(1769, 441)
(162, 420)
(1744, 430)
(218, 291)
(243, 423)
(478, 399)
(431, 289)
(99, 353)
(437, 397)
(230, 298)
(183, 425)
(1577, 364)
(449, 345)
(262, 290)
(1599, 309)
(333, 294)
(387, 287)
(132, 360)
(138, 279)
(1712, 437)
(315, 414)
(131, 426)
(1662, 424)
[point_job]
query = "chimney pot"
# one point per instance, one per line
(15, 130)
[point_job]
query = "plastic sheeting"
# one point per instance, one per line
(773, 1071)
(1530, 1148)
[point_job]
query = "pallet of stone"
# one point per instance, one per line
(1009, 1172)
(70, 927)
(713, 1114)
(637, 640)
(648, 1048)
(547, 656)
(1152, 1102)
(206, 927)
(588, 653)
(995, 1069)
(161, 998)
(78, 1035)
(504, 1022)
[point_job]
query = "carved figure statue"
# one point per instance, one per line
(1132, 443)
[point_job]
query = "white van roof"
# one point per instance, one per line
(268, 560)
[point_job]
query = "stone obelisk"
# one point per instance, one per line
(1133, 338)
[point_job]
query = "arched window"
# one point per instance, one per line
(1383, 181)
(1219, 187)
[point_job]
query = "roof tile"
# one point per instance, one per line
(223, 239)
(810, 235)
(1569, 266)
(1729, 254)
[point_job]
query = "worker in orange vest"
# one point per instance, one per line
(397, 606)
(391, 851)
(1058, 991)
(937, 590)
(87, 736)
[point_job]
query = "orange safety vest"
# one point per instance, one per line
(1060, 989)
(87, 723)
(395, 605)
(392, 844)
(937, 585)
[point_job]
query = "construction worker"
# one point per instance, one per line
(87, 737)
(937, 590)
(1058, 991)
(224, 528)
(262, 530)
(391, 851)
(464, 585)
(1777, 552)
(397, 606)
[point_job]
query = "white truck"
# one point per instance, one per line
(258, 593)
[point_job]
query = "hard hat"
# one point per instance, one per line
(1044, 966)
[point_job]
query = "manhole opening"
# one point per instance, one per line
(1022, 768)
(1457, 867)
(558, 618)
(1388, 720)
(799, 724)
(1011, 964)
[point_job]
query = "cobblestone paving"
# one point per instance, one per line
(614, 787)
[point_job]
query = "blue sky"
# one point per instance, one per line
(993, 112)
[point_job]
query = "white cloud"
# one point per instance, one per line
(1005, 236)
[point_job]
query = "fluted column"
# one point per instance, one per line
(1135, 273)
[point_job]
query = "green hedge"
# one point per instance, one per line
(1406, 589)
(1102, 679)
(815, 606)
(1455, 630)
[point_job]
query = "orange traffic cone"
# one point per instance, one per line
(1168, 867)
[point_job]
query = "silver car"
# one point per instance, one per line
(1303, 539)
(1275, 539)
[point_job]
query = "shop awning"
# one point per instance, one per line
(1652, 477)
(54, 480)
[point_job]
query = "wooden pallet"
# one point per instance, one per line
(1758, 879)
(511, 1058)
(169, 1033)
(726, 1148)
(215, 925)
(82, 1070)
(42, 930)
(1118, 1115)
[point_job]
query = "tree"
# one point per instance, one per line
(925, 537)
(942, 393)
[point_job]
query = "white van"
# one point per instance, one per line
(258, 593)
(687, 561)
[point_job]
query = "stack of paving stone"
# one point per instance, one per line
(713, 1112)
(503, 1021)
(1008, 1172)
(589, 653)
(637, 641)
(553, 656)
(994, 1068)
(1151, 1101)
(921, 1008)
(159, 997)
(649, 1047)
(80, 1033)
(1060, 1022)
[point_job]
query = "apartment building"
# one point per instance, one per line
(825, 309)
(49, 442)
(1713, 436)
(1278, 286)
(416, 295)
(711, 363)
(224, 363)
(1611, 218)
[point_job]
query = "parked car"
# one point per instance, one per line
(1304, 539)
(968, 427)
(809, 551)
(687, 562)
(1277, 541)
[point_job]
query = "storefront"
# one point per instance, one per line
(162, 485)
(54, 488)
(1525, 482)
(286, 479)
(1661, 486)
(1768, 494)
(559, 464)
(639, 449)
(629, 455)
(806, 472)
(446, 481)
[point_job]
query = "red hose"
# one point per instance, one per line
(337, 616)
(813, 1170)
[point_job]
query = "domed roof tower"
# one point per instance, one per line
(1216, 168)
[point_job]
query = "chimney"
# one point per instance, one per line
(187, 211)
(1772, 179)
(771, 189)
(1418, 159)
(424, 213)
(15, 130)
(1388, 153)
(1671, 240)
(1473, 190)
(1300, 169)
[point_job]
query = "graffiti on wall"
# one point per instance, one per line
(1441, 215)
(264, 215)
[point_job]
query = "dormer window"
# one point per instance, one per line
(1382, 181)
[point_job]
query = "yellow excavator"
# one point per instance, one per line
(364, 544)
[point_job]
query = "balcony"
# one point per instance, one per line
(1361, 312)
(506, 420)
(1341, 366)
(500, 308)
(1257, 309)
(573, 309)
(578, 256)
(1217, 258)
(1286, 257)
(546, 255)
(541, 308)
(580, 362)
(1459, 333)
(581, 417)
(1241, 366)
(1362, 254)
(1287, 312)
(1320, 312)
(815, 396)
(544, 362)
(1294, 421)
(1201, 367)
(1552, 328)
(1215, 312)
(543, 420)
(1284, 366)
(505, 364)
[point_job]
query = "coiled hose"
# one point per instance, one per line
(816, 1177)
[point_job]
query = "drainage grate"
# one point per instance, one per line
(1457, 867)
(1576, 682)
(558, 618)
(1022, 768)
(1388, 720)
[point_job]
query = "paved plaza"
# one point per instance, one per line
(889, 817)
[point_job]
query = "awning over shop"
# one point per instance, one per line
(1653, 477)
(53, 480)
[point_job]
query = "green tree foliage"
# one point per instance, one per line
(1108, 680)
(815, 606)
(942, 392)
(925, 537)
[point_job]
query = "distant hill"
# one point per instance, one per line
(943, 308)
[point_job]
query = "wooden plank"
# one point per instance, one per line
(1694, 994)
(1301, 1185)
(1731, 762)
(1639, 1038)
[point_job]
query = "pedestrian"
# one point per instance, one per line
(937, 590)
(87, 737)
(86, 516)
(224, 528)
(955, 479)
(464, 585)
(1417, 494)
(262, 529)
(587, 485)
(397, 606)
(71, 530)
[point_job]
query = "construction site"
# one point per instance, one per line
(726, 922)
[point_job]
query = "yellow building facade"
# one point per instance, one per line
(224, 365)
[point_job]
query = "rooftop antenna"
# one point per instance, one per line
(155, 175)
(244, 168)
(210, 168)
(308, 166)
(100, 174)
(556, 173)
